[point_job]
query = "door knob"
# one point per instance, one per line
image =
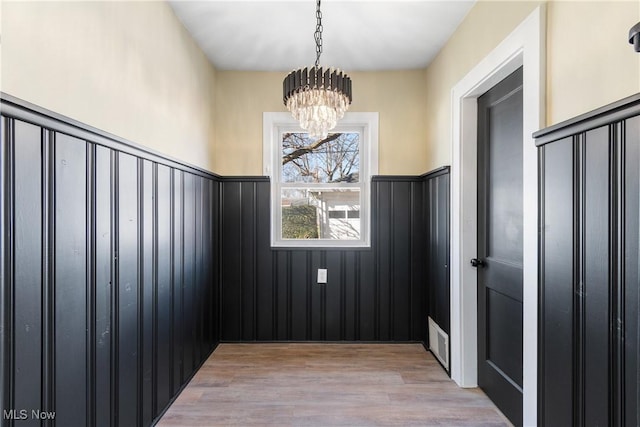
(475, 262)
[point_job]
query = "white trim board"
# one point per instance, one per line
(525, 46)
(365, 123)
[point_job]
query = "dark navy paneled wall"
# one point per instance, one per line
(589, 341)
(436, 211)
(122, 269)
(109, 274)
(373, 294)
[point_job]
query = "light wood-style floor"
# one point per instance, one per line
(327, 384)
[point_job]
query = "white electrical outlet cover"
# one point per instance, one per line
(322, 275)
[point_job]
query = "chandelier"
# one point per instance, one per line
(316, 97)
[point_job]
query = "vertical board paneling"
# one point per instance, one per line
(232, 264)
(188, 288)
(7, 388)
(366, 314)
(401, 260)
(436, 251)
(265, 286)
(90, 261)
(96, 234)
(596, 274)
(333, 298)
(441, 266)
(128, 285)
(417, 300)
(384, 248)
(196, 314)
(589, 298)
(282, 285)
(312, 312)
(348, 297)
(27, 258)
(204, 292)
(198, 269)
(373, 294)
(558, 282)
(248, 261)
(104, 286)
(163, 301)
(631, 269)
(216, 256)
(178, 279)
(296, 303)
(70, 288)
(146, 302)
(429, 192)
(430, 217)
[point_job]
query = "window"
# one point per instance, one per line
(320, 188)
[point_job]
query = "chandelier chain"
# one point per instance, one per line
(317, 99)
(318, 34)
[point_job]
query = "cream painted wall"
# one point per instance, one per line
(484, 27)
(589, 63)
(131, 69)
(128, 68)
(399, 97)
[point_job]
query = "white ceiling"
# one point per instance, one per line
(358, 35)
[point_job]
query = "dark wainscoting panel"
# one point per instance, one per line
(630, 280)
(122, 269)
(376, 294)
(109, 269)
(589, 261)
(437, 200)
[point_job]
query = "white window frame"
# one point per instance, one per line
(274, 124)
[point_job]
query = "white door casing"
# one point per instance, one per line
(525, 47)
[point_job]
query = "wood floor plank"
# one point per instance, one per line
(312, 384)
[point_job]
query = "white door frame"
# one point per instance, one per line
(525, 46)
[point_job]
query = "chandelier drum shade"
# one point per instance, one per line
(317, 97)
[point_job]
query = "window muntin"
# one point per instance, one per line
(320, 188)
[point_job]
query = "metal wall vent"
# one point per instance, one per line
(439, 343)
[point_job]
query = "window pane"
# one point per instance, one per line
(299, 214)
(333, 159)
(321, 214)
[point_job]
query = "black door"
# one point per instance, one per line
(499, 262)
